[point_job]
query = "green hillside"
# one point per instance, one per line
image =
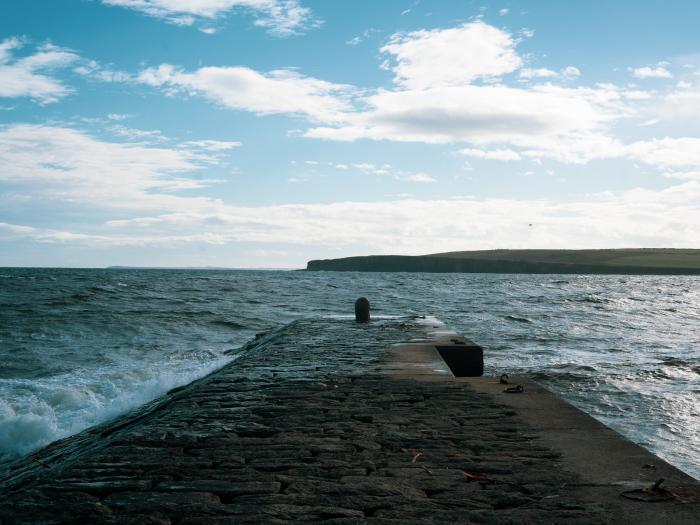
(636, 261)
(655, 257)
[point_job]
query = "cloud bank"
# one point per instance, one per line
(145, 184)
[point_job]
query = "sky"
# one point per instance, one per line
(265, 133)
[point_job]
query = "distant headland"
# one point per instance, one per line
(625, 261)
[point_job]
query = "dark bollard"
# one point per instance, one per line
(362, 310)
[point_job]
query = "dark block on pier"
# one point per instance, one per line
(463, 360)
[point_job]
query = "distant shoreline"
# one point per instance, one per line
(194, 268)
(632, 261)
(207, 268)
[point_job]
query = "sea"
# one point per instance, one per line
(81, 346)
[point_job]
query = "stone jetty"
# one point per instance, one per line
(329, 421)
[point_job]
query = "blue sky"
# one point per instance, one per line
(263, 133)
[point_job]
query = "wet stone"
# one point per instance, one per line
(306, 430)
(324, 471)
(288, 512)
(223, 489)
(33, 508)
(163, 502)
(135, 519)
(101, 487)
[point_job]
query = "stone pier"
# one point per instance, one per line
(328, 421)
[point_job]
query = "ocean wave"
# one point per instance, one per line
(49, 409)
(570, 377)
(679, 362)
(81, 296)
(591, 299)
(228, 324)
(517, 319)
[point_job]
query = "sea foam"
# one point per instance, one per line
(42, 411)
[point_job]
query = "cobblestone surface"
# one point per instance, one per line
(303, 428)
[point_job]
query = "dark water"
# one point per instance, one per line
(78, 347)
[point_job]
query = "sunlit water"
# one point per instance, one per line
(78, 347)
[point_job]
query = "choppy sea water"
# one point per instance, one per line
(78, 347)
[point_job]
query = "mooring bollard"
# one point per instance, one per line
(362, 310)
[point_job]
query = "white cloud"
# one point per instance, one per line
(636, 94)
(27, 76)
(368, 168)
(50, 235)
(286, 17)
(137, 134)
(650, 122)
(497, 154)
(569, 124)
(503, 12)
(374, 169)
(451, 57)
(92, 69)
(415, 177)
(276, 92)
(685, 175)
(651, 72)
(439, 98)
(570, 72)
(65, 164)
(634, 218)
(447, 89)
(117, 116)
(537, 73)
(6, 48)
(358, 39)
(133, 185)
(668, 152)
(680, 105)
(567, 73)
(280, 17)
(211, 145)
